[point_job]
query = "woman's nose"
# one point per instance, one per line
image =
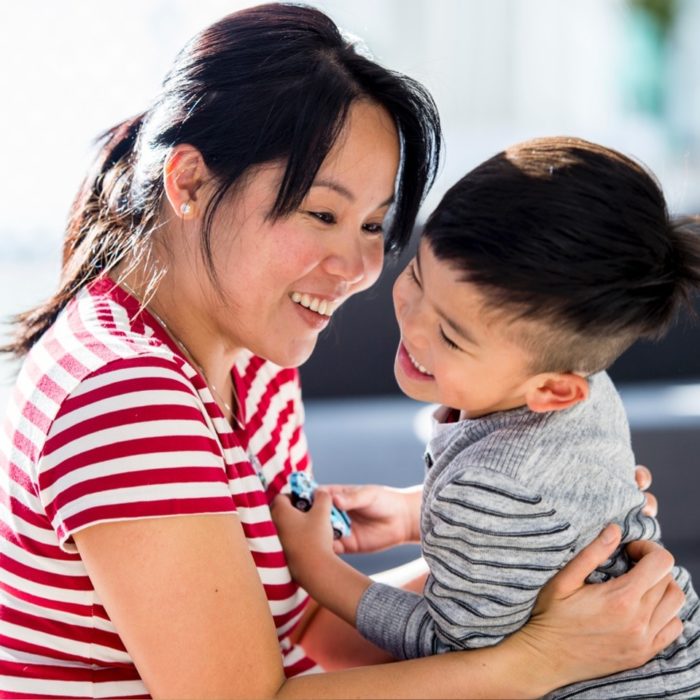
(348, 259)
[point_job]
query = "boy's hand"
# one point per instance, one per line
(306, 537)
(382, 517)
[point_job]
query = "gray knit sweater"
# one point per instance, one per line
(508, 499)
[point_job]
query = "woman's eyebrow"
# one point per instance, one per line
(345, 192)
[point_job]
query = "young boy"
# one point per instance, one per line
(535, 272)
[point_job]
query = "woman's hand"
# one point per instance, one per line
(642, 476)
(586, 631)
(382, 517)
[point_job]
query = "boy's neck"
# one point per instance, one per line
(463, 415)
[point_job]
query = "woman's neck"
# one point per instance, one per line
(182, 319)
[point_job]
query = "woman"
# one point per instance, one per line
(155, 417)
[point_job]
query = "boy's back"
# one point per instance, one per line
(508, 499)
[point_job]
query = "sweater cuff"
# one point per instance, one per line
(383, 616)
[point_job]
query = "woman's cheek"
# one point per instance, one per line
(374, 264)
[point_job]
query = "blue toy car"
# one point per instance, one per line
(303, 487)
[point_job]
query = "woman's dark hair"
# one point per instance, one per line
(576, 236)
(269, 83)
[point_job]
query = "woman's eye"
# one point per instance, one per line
(412, 274)
(374, 229)
(323, 216)
(448, 342)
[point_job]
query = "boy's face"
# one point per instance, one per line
(451, 351)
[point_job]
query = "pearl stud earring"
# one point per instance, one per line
(185, 208)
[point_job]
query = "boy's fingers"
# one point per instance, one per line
(322, 503)
(574, 574)
(281, 502)
(351, 497)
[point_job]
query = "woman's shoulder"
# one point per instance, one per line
(256, 374)
(106, 321)
(98, 335)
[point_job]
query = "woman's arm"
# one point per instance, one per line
(186, 599)
(577, 632)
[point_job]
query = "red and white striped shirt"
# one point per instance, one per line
(108, 421)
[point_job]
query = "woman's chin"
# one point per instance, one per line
(294, 356)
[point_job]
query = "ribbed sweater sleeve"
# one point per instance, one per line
(491, 544)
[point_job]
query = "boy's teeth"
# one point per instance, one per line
(320, 306)
(418, 365)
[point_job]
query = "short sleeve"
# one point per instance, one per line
(132, 441)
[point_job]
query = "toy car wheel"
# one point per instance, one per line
(302, 504)
(337, 534)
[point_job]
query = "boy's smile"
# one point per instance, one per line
(452, 350)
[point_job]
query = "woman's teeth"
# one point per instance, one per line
(320, 306)
(417, 364)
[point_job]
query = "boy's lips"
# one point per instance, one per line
(410, 365)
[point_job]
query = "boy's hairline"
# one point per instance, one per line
(518, 313)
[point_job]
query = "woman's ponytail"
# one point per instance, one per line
(107, 180)
(103, 225)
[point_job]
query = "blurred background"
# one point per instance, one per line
(621, 72)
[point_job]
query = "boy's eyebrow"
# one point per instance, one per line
(345, 192)
(461, 331)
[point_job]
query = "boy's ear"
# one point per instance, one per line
(556, 391)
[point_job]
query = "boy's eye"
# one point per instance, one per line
(447, 341)
(410, 271)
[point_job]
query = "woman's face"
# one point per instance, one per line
(281, 280)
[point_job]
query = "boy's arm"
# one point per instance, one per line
(307, 539)
(337, 586)
(382, 516)
(491, 545)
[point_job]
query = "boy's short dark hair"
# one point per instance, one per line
(575, 236)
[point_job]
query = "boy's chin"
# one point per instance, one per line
(410, 390)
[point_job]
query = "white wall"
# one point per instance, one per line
(500, 71)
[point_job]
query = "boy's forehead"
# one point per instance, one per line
(469, 307)
(450, 283)
(462, 303)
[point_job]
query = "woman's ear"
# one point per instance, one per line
(556, 391)
(184, 174)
